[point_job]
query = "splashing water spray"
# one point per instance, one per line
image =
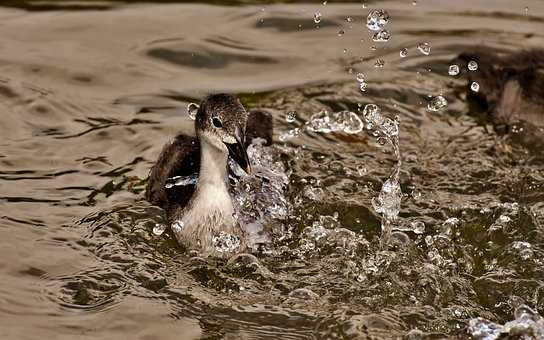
(387, 203)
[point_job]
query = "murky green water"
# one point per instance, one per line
(91, 91)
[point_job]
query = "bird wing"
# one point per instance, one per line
(179, 158)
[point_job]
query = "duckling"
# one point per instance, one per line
(511, 93)
(199, 213)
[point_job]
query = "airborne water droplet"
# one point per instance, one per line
(379, 63)
(475, 87)
(177, 226)
(360, 77)
(158, 229)
(192, 110)
(381, 36)
(377, 19)
(424, 48)
(403, 53)
(291, 116)
(453, 70)
(317, 17)
(437, 103)
(472, 65)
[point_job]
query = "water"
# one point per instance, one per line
(91, 91)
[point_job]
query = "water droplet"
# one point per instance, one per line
(453, 70)
(418, 227)
(361, 170)
(372, 115)
(475, 87)
(526, 10)
(377, 19)
(390, 127)
(158, 229)
(224, 242)
(349, 19)
(389, 199)
(381, 36)
(362, 86)
(403, 53)
(341, 33)
(424, 48)
(348, 122)
(291, 116)
(177, 226)
(324, 3)
(437, 103)
(317, 17)
(360, 77)
(472, 65)
(289, 134)
(192, 110)
(379, 63)
(414, 2)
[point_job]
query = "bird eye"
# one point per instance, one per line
(217, 123)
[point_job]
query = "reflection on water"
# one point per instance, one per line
(90, 91)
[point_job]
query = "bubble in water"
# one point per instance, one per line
(224, 242)
(377, 19)
(360, 77)
(379, 63)
(475, 87)
(403, 53)
(453, 70)
(424, 48)
(158, 229)
(437, 103)
(472, 65)
(291, 116)
(381, 36)
(177, 226)
(317, 17)
(192, 110)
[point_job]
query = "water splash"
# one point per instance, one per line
(377, 19)
(381, 36)
(181, 181)
(324, 122)
(453, 70)
(388, 202)
(192, 110)
(437, 103)
(424, 48)
(527, 324)
(225, 243)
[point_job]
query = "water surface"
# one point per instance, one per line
(91, 91)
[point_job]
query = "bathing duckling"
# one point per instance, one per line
(200, 213)
(511, 93)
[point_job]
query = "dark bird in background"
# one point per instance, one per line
(202, 211)
(511, 94)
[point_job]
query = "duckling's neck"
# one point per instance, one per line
(211, 199)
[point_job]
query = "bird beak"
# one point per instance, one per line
(238, 153)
